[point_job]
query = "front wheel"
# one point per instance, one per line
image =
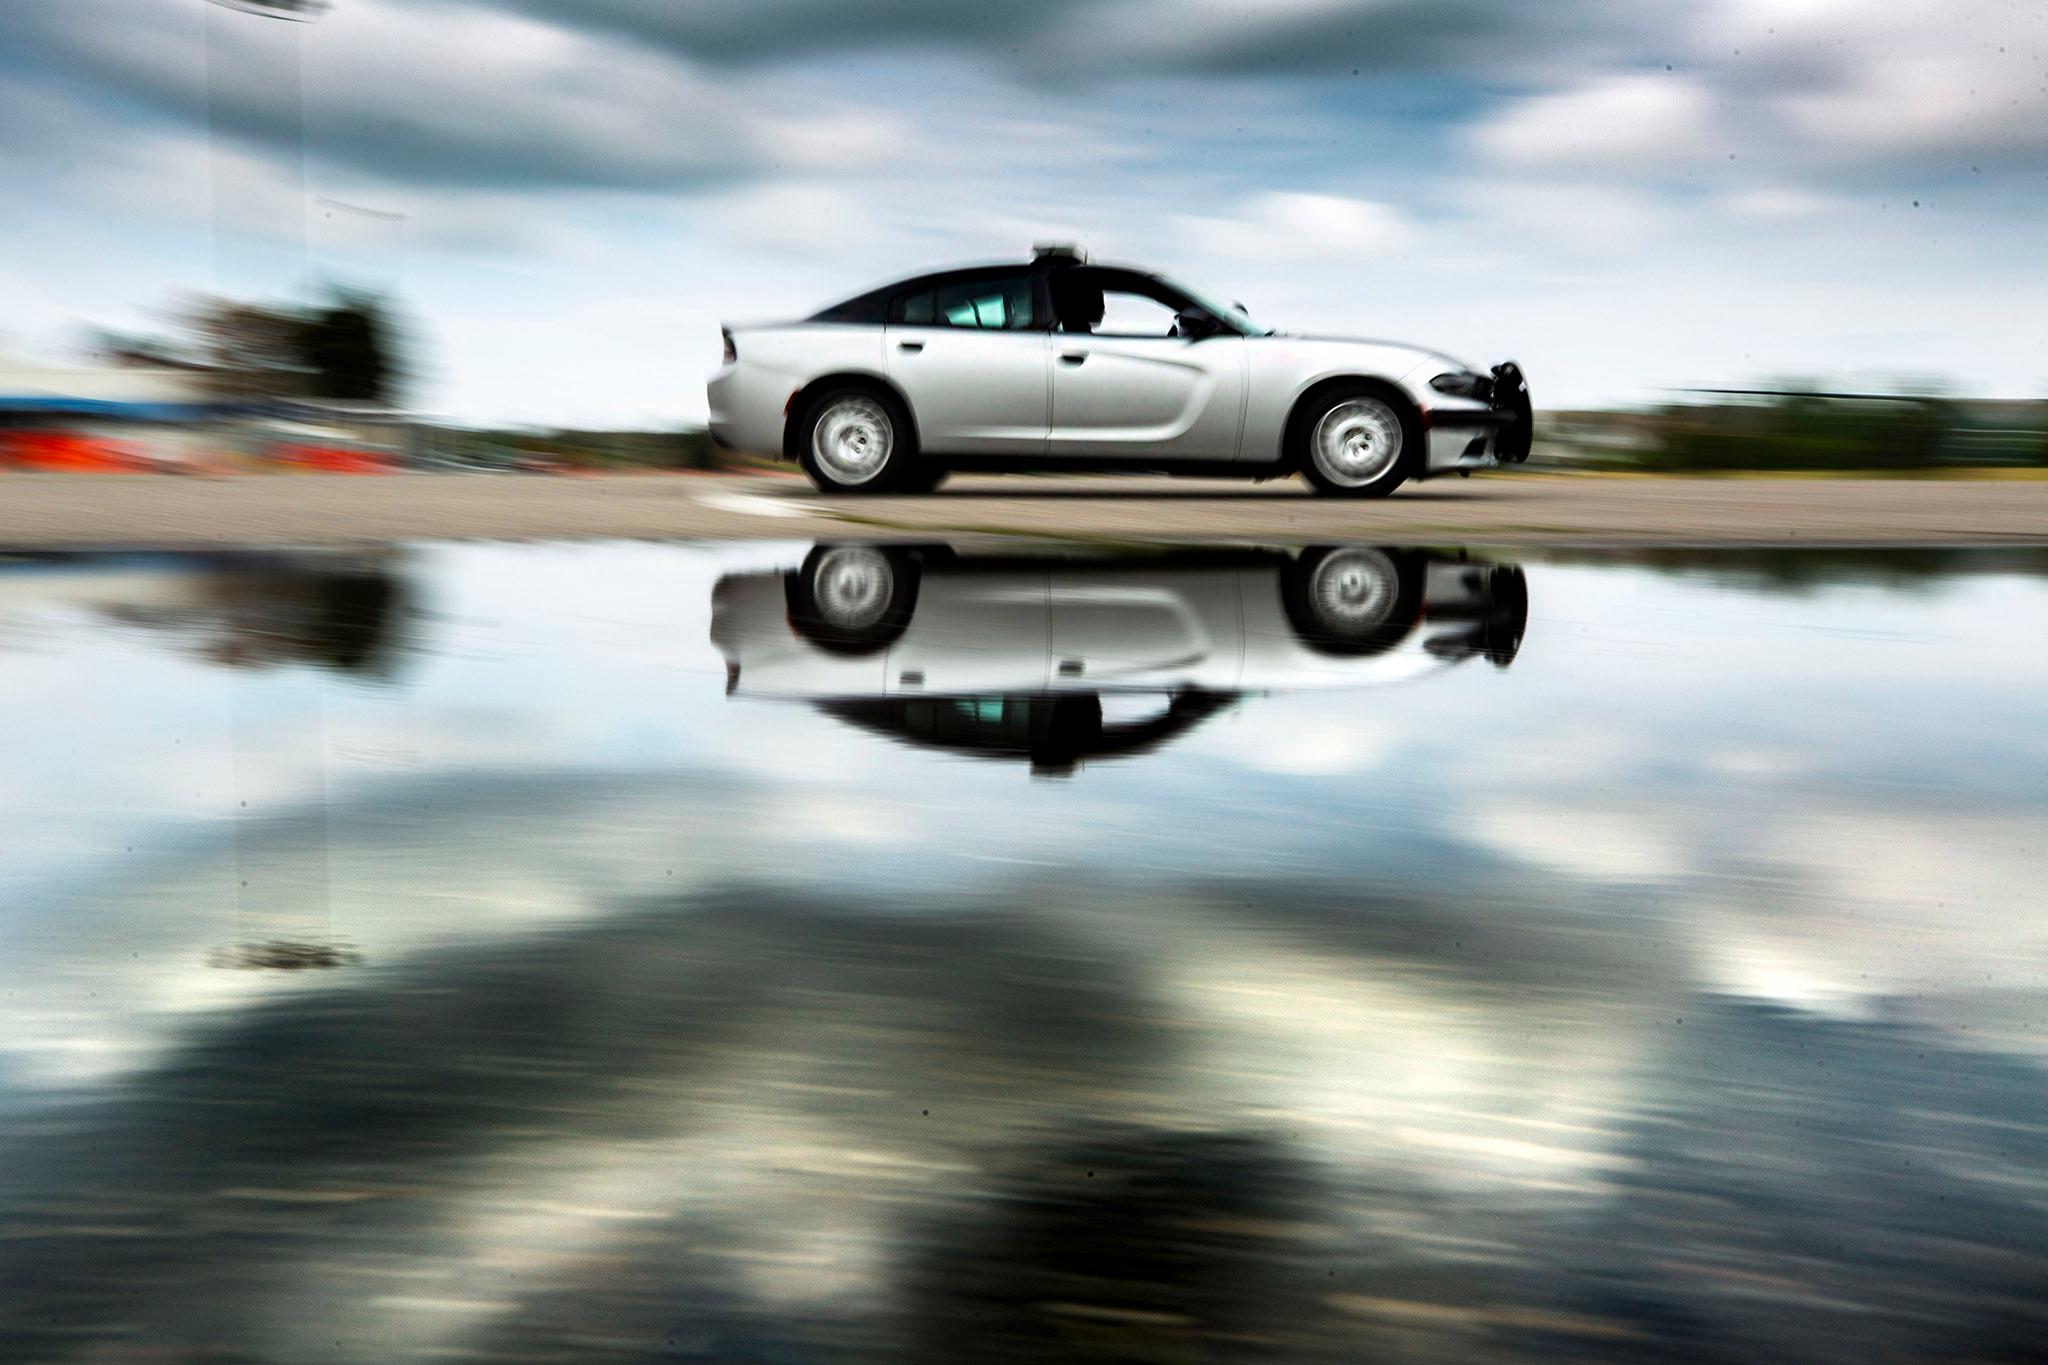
(1352, 599)
(855, 440)
(1359, 444)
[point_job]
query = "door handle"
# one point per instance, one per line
(912, 346)
(1072, 357)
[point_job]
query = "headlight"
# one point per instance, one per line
(1463, 384)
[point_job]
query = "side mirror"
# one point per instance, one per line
(1194, 325)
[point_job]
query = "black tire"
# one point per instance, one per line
(852, 599)
(872, 415)
(1382, 409)
(923, 477)
(1352, 600)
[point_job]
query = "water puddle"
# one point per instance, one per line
(921, 952)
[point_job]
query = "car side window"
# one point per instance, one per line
(1002, 304)
(1119, 303)
(972, 305)
(1126, 313)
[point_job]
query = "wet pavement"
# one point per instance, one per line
(792, 951)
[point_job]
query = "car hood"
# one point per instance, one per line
(1421, 353)
(1395, 359)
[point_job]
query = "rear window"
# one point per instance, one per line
(870, 308)
(996, 304)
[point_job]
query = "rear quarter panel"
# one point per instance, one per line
(748, 397)
(805, 350)
(750, 627)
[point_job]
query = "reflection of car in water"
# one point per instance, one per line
(1059, 660)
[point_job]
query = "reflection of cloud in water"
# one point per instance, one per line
(747, 1122)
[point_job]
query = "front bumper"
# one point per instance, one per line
(1474, 435)
(1511, 400)
(1478, 610)
(1463, 438)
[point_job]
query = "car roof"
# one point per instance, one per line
(1043, 264)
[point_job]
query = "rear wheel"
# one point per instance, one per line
(852, 599)
(923, 477)
(855, 440)
(1359, 443)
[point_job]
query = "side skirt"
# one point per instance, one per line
(1094, 464)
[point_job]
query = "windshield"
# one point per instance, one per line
(1236, 317)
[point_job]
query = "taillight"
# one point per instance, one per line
(731, 353)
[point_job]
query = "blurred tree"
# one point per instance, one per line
(248, 351)
(343, 349)
(1806, 429)
(346, 350)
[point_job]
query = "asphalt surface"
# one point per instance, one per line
(52, 511)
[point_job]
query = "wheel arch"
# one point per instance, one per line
(800, 402)
(1319, 389)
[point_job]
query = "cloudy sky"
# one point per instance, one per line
(567, 195)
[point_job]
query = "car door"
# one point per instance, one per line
(976, 629)
(1126, 388)
(1166, 626)
(968, 355)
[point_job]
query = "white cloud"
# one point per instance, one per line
(1605, 844)
(1333, 744)
(1961, 81)
(805, 216)
(1778, 204)
(1953, 104)
(446, 95)
(1299, 227)
(1613, 121)
(1567, 220)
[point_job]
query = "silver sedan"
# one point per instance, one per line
(1065, 364)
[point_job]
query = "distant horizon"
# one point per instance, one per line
(1875, 387)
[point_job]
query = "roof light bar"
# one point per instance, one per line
(1063, 251)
